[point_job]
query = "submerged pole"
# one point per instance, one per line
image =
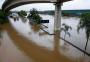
(57, 26)
(57, 20)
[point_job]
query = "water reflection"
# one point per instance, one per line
(62, 47)
(51, 43)
(56, 40)
(37, 52)
(42, 33)
(9, 52)
(23, 19)
(14, 16)
(36, 28)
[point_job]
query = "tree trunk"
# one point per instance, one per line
(65, 35)
(86, 45)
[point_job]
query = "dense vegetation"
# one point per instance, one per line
(66, 12)
(22, 13)
(34, 15)
(3, 20)
(85, 23)
(49, 12)
(3, 17)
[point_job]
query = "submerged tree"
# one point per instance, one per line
(34, 15)
(3, 17)
(66, 28)
(0, 32)
(85, 24)
(22, 13)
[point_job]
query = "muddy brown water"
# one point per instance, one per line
(38, 47)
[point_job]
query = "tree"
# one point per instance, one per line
(34, 15)
(3, 17)
(65, 28)
(0, 33)
(85, 24)
(22, 13)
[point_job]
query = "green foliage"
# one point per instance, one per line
(0, 32)
(65, 14)
(35, 16)
(22, 13)
(3, 20)
(3, 17)
(48, 12)
(66, 28)
(85, 23)
(33, 12)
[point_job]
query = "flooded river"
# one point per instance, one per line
(23, 42)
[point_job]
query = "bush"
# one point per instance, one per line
(3, 17)
(22, 13)
(34, 15)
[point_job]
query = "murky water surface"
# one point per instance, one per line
(39, 46)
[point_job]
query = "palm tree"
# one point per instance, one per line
(85, 24)
(66, 28)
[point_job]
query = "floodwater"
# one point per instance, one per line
(9, 52)
(29, 43)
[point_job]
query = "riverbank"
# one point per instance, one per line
(37, 53)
